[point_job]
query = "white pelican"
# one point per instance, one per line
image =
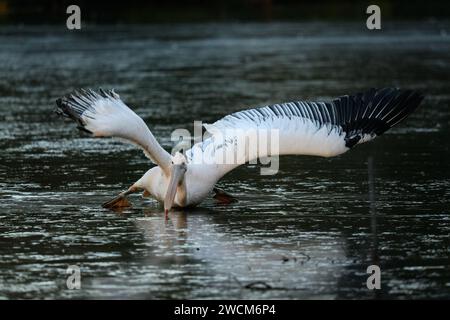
(305, 128)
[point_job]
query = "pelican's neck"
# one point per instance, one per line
(157, 153)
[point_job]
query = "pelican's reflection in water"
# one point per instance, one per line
(209, 254)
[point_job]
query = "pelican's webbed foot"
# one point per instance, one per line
(118, 202)
(223, 197)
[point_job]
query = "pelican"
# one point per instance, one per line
(325, 129)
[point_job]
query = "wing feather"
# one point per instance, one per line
(314, 128)
(104, 114)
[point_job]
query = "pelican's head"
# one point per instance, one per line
(164, 187)
(178, 159)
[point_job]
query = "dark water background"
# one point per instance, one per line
(308, 232)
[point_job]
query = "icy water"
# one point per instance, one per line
(308, 232)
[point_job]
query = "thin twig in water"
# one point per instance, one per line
(262, 286)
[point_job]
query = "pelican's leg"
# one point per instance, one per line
(120, 200)
(223, 196)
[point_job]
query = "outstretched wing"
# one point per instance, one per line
(104, 114)
(312, 128)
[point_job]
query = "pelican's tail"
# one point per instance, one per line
(364, 116)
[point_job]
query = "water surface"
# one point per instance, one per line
(308, 232)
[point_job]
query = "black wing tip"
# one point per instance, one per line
(411, 97)
(62, 108)
(59, 110)
(74, 104)
(392, 90)
(378, 110)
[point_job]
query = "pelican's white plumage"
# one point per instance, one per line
(297, 135)
(304, 128)
(105, 115)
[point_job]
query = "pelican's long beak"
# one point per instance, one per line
(176, 178)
